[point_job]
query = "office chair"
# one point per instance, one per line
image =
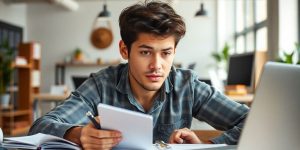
(207, 81)
(78, 80)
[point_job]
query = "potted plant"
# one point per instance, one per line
(6, 57)
(78, 55)
(290, 57)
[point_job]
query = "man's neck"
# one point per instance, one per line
(145, 98)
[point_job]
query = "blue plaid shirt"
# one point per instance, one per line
(181, 98)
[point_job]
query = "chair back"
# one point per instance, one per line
(78, 80)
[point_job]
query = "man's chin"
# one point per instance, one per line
(154, 87)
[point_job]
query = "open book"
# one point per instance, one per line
(38, 141)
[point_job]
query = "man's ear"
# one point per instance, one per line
(123, 50)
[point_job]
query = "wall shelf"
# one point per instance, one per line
(16, 113)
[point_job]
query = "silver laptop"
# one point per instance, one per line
(273, 122)
(274, 119)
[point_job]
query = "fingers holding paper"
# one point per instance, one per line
(92, 138)
(184, 135)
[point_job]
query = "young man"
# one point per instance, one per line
(148, 84)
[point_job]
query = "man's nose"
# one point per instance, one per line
(155, 62)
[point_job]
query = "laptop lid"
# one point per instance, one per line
(273, 121)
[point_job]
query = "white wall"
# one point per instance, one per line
(201, 36)
(61, 31)
(14, 14)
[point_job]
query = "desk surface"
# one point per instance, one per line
(242, 98)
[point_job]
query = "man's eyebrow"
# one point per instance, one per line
(149, 47)
(166, 49)
(145, 46)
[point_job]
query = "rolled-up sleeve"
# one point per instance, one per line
(70, 113)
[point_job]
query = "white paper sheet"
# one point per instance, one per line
(136, 128)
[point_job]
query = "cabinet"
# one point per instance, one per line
(17, 120)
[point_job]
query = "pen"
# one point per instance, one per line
(91, 117)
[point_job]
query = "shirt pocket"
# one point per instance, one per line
(165, 130)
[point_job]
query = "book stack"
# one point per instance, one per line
(236, 89)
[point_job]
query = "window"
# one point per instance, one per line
(261, 39)
(250, 42)
(250, 25)
(298, 22)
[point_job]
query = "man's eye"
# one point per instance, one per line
(145, 52)
(167, 53)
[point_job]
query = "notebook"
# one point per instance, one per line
(136, 128)
(38, 141)
(273, 121)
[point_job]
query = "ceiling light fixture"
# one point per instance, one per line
(201, 12)
(104, 12)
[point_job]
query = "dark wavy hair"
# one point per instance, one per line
(152, 17)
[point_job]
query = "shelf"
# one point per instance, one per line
(16, 113)
(6, 108)
(21, 66)
(17, 121)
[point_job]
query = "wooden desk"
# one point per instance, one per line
(247, 99)
(206, 135)
(46, 97)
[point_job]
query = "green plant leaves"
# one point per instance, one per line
(6, 58)
(223, 55)
(288, 57)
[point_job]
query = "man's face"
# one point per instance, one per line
(150, 61)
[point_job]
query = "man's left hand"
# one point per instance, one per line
(184, 135)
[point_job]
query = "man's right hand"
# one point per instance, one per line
(91, 138)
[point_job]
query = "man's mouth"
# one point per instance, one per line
(154, 77)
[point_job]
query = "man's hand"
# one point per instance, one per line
(184, 135)
(91, 138)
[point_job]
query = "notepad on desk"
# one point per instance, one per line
(38, 141)
(136, 128)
